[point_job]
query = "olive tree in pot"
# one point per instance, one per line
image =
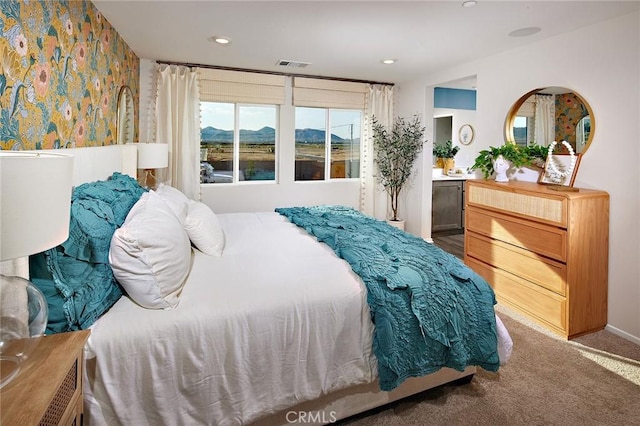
(395, 152)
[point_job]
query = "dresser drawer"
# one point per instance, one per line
(543, 305)
(541, 271)
(545, 240)
(543, 208)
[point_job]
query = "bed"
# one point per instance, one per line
(274, 330)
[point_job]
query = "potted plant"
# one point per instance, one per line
(516, 155)
(444, 154)
(395, 151)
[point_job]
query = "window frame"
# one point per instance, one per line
(235, 168)
(328, 144)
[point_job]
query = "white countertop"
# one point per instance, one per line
(456, 177)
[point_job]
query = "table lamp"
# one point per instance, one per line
(152, 156)
(35, 205)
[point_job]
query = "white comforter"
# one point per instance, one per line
(276, 320)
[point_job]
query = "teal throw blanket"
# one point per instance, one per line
(429, 309)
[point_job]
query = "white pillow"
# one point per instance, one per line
(204, 229)
(150, 254)
(175, 199)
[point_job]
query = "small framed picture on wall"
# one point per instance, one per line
(466, 134)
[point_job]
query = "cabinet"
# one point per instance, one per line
(544, 252)
(447, 213)
(48, 388)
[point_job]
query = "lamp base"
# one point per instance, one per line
(154, 181)
(23, 320)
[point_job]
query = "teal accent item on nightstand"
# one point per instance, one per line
(429, 309)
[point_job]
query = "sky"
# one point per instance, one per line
(220, 116)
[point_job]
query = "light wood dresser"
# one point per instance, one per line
(48, 389)
(544, 252)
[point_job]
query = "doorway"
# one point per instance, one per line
(454, 244)
(442, 129)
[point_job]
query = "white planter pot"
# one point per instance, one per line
(500, 165)
(396, 223)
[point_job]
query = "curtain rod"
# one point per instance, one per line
(218, 67)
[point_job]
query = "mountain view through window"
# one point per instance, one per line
(248, 135)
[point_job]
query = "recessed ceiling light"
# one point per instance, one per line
(469, 3)
(524, 32)
(389, 61)
(220, 40)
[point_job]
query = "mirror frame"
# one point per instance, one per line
(125, 126)
(511, 115)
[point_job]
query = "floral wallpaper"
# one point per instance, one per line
(61, 67)
(569, 111)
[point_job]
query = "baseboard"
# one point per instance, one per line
(623, 334)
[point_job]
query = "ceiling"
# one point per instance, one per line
(344, 39)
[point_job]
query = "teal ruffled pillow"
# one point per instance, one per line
(75, 276)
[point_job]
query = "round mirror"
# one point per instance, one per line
(549, 114)
(125, 120)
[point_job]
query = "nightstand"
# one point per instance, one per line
(48, 389)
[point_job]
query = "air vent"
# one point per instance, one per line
(292, 64)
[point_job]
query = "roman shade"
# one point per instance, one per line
(217, 85)
(320, 93)
(527, 109)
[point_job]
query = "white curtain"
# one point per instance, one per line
(545, 130)
(379, 104)
(178, 125)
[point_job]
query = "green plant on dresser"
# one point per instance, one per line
(517, 155)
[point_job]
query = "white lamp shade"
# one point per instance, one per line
(35, 202)
(153, 155)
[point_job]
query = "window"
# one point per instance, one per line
(241, 118)
(583, 130)
(238, 142)
(520, 130)
(327, 143)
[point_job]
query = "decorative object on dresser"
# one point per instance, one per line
(514, 155)
(395, 151)
(551, 113)
(501, 165)
(34, 216)
(48, 391)
(544, 252)
(560, 169)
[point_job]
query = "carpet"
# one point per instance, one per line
(591, 380)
